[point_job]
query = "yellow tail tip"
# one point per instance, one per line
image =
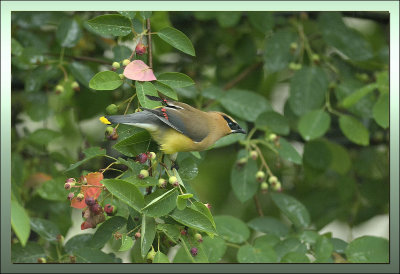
(104, 120)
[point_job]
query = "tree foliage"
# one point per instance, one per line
(312, 90)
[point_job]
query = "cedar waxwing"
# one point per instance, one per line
(176, 126)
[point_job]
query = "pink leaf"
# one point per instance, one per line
(138, 70)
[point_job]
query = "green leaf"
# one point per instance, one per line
(263, 21)
(307, 89)
(232, 229)
(46, 229)
(171, 231)
(339, 246)
(260, 254)
(134, 145)
(148, 232)
(82, 73)
(175, 79)
(77, 242)
(16, 47)
(215, 248)
(146, 182)
(277, 51)
(121, 53)
(243, 180)
(273, 121)
(188, 169)
(90, 153)
(126, 192)
(68, 33)
(295, 211)
(160, 258)
(111, 24)
(28, 254)
(381, 110)
(289, 245)
(105, 80)
(205, 210)
(288, 152)
(127, 243)
(269, 239)
(341, 161)
(323, 248)
(145, 14)
(356, 96)
(245, 104)
(382, 80)
(295, 257)
(194, 219)
(162, 205)
(43, 136)
(181, 200)
(128, 14)
(177, 39)
(20, 222)
(105, 231)
(354, 130)
(368, 249)
(227, 19)
(92, 255)
(166, 90)
(309, 236)
(269, 225)
(317, 155)
(52, 190)
(314, 124)
(136, 253)
(144, 89)
(346, 40)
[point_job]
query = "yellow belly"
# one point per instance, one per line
(172, 141)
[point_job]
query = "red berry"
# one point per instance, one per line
(141, 158)
(140, 49)
(183, 232)
(90, 201)
(70, 196)
(96, 209)
(193, 251)
(86, 225)
(137, 235)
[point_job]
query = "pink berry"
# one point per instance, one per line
(141, 158)
(193, 251)
(90, 201)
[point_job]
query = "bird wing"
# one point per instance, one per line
(174, 113)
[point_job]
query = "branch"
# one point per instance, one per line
(84, 58)
(242, 75)
(149, 42)
(258, 205)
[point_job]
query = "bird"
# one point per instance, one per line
(179, 127)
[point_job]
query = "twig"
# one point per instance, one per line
(84, 58)
(242, 75)
(258, 205)
(149, 42)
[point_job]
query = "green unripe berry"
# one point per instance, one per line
(198, 237)
(59, 89)
(152, 155)
(121, 76)
(112, 109)
(75, 86)
(272, 137)
(264, 186)
(42, 260)
(260, 176)
(292, 66)
(143, 174)
(172, 180)
(162, 182)
(253, 154)
(277, 186)
(293, 46)
(80, 197)
(115, 65)
(315, 58)
(109, 131)
(272, 180)
(151, 254)
(126, 62)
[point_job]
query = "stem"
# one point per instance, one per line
(258, 205)
(62, 55)
(133, 230)
(233, 245)
(64, 72)
(264, 163)
(108, 156)
(110, 165)
(242, 75)
(150, 55)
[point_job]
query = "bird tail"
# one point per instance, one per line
(142, 119)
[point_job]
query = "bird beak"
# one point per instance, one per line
(239, 131)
